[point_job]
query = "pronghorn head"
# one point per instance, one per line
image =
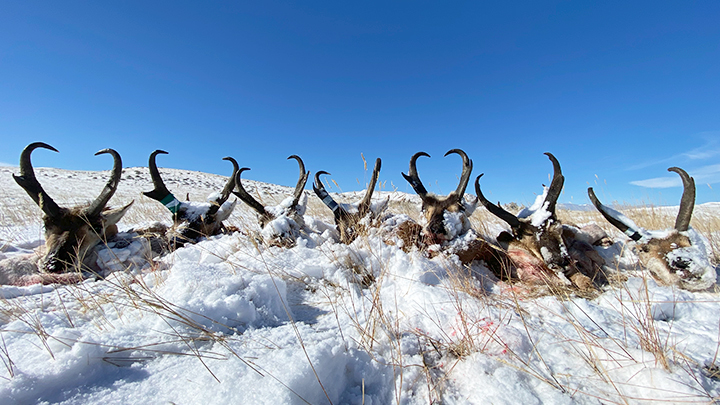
(348, 217)
(675, 257)
(442, 214)
(193, 220)
(283, 222)
(71, 232)
(536, 234)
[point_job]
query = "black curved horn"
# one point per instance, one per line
(465, 176)
(160, 191)
(302, 180)
(244, 196)
(412, 176)
(556, 185)
(634, 234)
(29, 183)
(687, 202)
(229, 187)
(322, 194)
(99, 204)
(496, 210)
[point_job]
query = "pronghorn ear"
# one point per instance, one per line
(504, 239)
(112, 217)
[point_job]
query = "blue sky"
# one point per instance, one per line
(618, 91)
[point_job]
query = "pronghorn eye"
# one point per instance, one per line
(681, 263)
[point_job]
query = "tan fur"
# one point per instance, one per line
(433, 209)
(654, 256)
(70, 236)
(539, 252)
(409, 233)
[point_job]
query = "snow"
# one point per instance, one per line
(537, 212)
(195, 210)
(125, 253)
(286, 204)
(285, 225)
(232, 320)
(700, 273)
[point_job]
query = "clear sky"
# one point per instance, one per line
(618, 91)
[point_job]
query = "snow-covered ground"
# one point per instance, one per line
(231, 320)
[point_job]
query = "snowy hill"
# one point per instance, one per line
(230, 320)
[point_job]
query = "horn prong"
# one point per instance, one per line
(96, 207)
(412, 176)
(465, 176)
(496, 210)
(244, 195)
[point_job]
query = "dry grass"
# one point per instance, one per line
(605, 353)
